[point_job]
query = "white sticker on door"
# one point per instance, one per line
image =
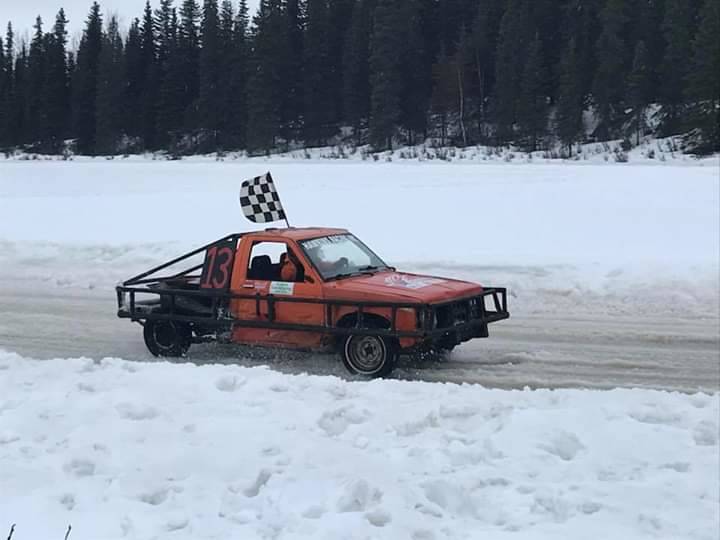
(282, 287)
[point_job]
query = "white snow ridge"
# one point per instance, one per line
(151, 450)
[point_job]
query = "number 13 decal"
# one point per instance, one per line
(218, 267)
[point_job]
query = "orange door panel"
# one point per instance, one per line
(254, 309)
(297, 313)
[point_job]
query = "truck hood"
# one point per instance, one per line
(400, 286)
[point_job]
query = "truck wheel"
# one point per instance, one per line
(370, 356)
(167, 338)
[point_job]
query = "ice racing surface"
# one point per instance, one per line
(571, 429)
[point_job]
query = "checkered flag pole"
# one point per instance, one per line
(260, 201)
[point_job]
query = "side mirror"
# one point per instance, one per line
(309, 279)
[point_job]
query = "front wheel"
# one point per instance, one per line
(369, 356)
(167, 338)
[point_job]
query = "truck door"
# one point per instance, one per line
(262, 278)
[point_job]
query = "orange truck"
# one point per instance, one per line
(314, 289)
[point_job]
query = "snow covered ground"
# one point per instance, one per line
(613, 277)
(128, 450)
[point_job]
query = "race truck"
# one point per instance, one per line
(314, 289)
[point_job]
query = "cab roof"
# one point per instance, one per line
(297, 233)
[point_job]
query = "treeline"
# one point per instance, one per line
(193, 78)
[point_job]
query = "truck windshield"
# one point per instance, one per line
(341, 255)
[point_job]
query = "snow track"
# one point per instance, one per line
(538, 351)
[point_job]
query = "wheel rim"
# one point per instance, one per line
(367, 354)
(165, 335)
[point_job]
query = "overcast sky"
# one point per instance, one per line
(22, 13)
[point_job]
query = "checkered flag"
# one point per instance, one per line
(260, 200)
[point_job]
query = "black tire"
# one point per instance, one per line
(369, 356)
(167, 339)
(445, 350)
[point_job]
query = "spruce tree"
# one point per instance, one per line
(356, 68)
(678, 27)
(167, 114)
(171, 80)
(165, 31)
(9, 51)
(85, 84)
(56, 97)
(445, 97)
(18, 121)
(231, 76)
(4, 90)
(464, 66)
(569, 114)
(483, 39)
(546, 15)
(340, 17)
(647, 27)
(515, 33)
(149, 77)
(36, 126)
(581, 22)
(266, 99)
(608, 87)
(639, 89)
(226, 26)
(210, 72)
(8, 94)
(319, 104)
(453, 16)
(187, 67)
(532, 103)
(386, 49)
(415, 76)
(290, 58)
(110, 105)
(134, 81)
(226, 57)
(142, 81)
(235, 75)
(703, 89)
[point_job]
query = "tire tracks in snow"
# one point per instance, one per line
(526, 351)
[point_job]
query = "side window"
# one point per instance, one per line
(267, 260)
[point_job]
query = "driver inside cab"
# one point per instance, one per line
(289, 269)
(326, 267)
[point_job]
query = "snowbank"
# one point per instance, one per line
(650, 151)
(135, 450)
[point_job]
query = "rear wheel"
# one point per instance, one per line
(170, 339)
(369, 356)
